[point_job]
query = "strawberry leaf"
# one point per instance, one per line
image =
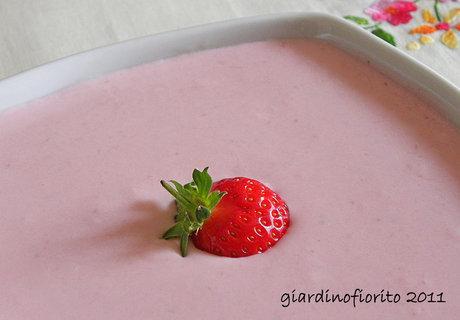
(180, 198)
(214, 198)
(184, 244)
(202, 181)
(174, 232)
(195, 203)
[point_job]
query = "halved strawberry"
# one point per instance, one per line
(233, 217)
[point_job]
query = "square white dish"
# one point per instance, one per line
(65, 72)
(361, 163)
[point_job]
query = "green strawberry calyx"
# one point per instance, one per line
(195, 203)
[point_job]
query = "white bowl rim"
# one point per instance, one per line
(56, 75)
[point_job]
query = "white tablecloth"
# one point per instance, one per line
(33, 32)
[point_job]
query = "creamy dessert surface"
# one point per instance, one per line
(371, 174)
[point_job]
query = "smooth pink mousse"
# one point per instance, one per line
(371, 174)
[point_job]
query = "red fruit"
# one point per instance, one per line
(249, 219)
(233, 217)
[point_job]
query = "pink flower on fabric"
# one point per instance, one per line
(442, 26)
(395, 12)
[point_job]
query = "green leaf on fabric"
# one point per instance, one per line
(382, 34)
(359, 20)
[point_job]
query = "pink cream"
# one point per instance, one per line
(371, 174)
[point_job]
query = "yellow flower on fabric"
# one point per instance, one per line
(452, 15)
(435, 24)
(426, 40)
(428, 16)
(449, 38)
(413, 46)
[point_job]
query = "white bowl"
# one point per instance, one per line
(65, 72)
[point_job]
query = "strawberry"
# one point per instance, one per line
(233, 217)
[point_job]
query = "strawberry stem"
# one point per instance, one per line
(195, 203)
